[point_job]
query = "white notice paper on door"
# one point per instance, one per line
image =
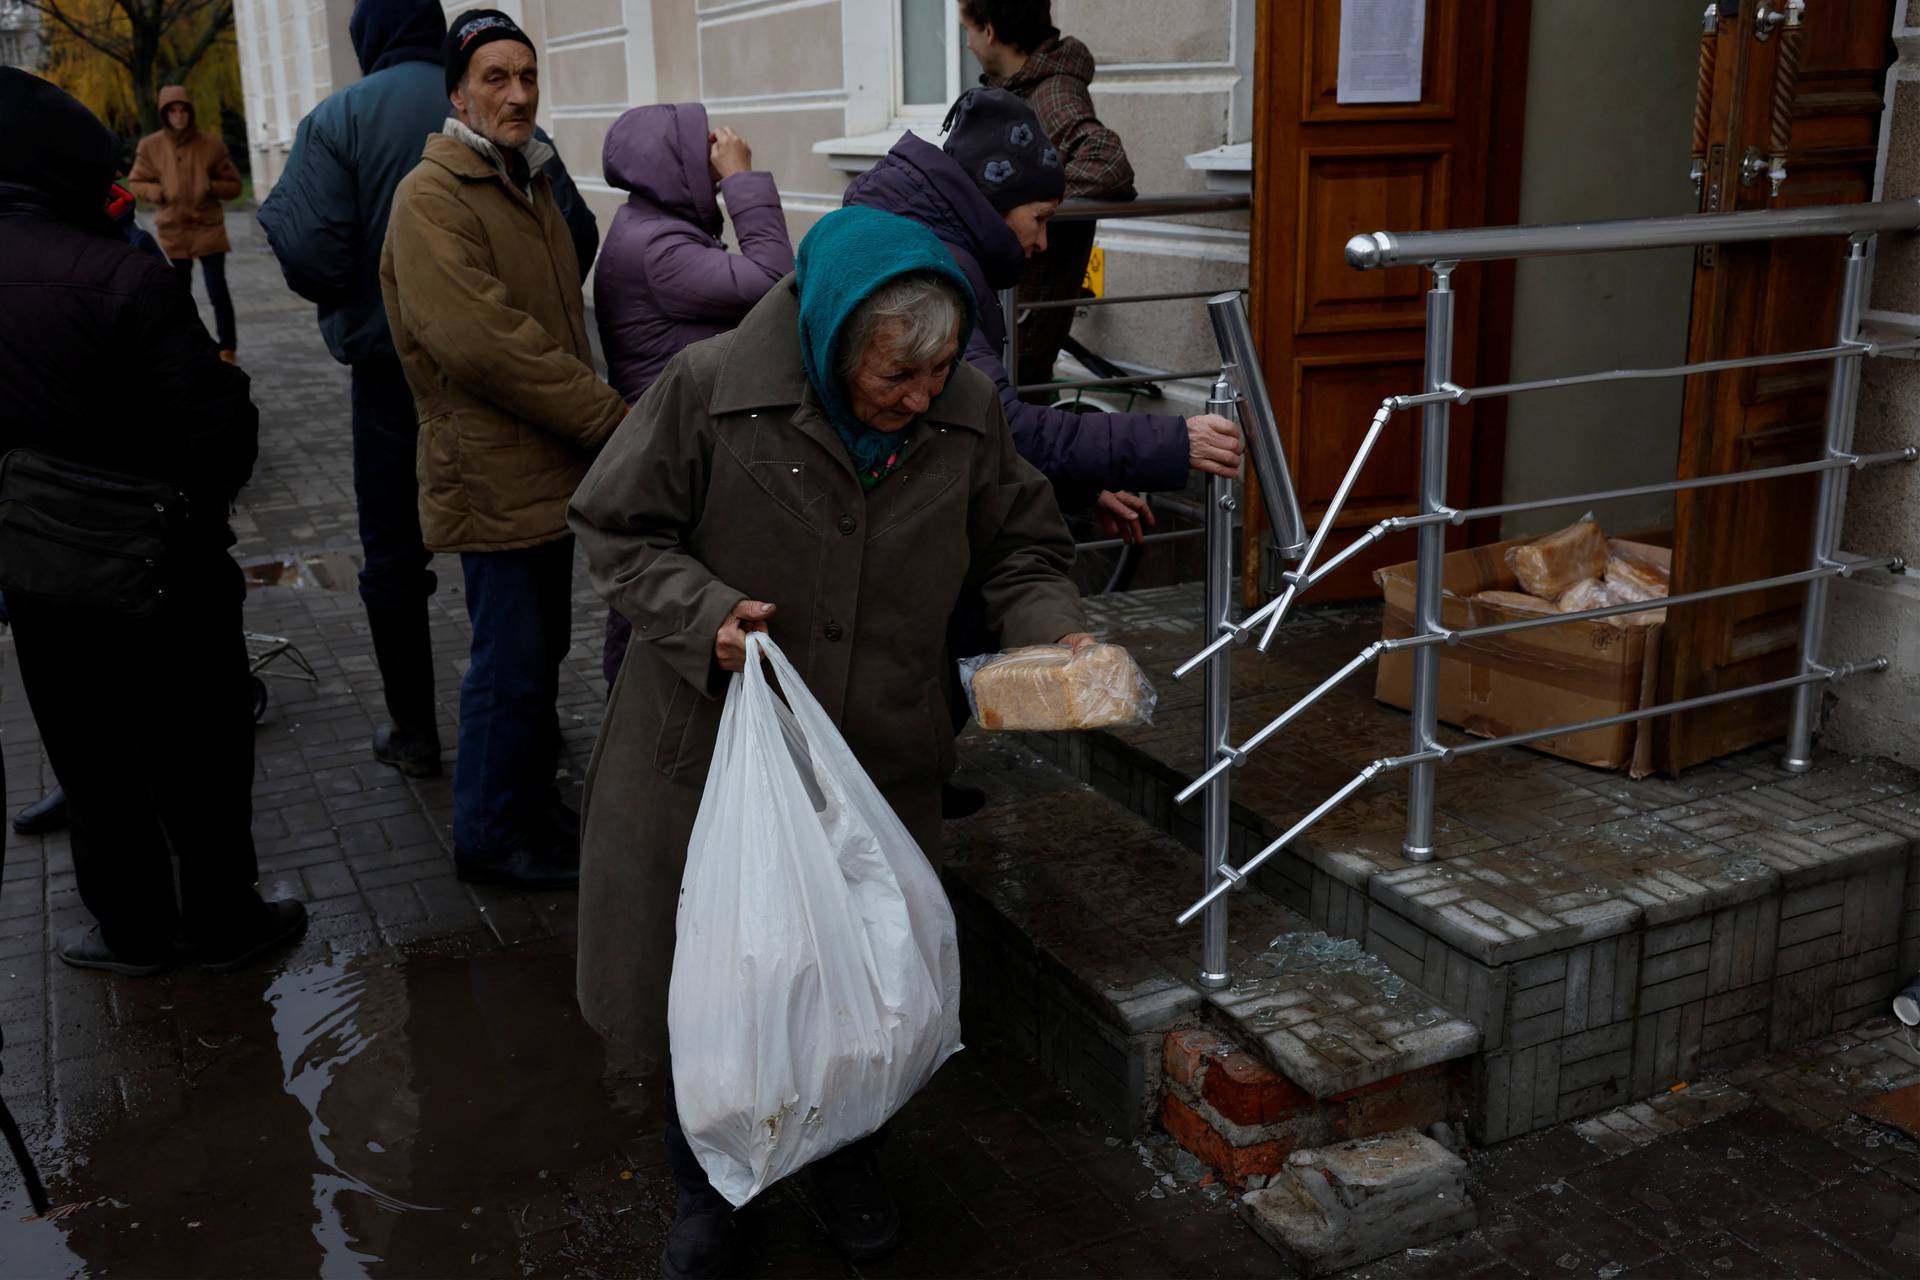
(1382, 44)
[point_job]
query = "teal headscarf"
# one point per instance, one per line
(847, 256)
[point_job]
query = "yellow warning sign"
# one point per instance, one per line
(1095, 282)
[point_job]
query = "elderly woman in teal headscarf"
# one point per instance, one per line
(830, 472)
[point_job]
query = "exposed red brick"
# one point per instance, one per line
(1391, 1082)
(1234, 1164)
(1248, 1091)
(1186, 1052)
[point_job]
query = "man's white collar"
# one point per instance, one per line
(536, 152)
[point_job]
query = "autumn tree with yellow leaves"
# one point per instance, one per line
(115, 55)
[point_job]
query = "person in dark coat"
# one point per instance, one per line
(326, 220)
(1088, 457)
(666, 279)
(147, 721)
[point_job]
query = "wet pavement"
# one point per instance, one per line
(411, 1091)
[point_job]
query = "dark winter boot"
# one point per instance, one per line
(854, 1202)
(703, 1241)
(403, 649)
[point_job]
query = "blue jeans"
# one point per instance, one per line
(521, 606)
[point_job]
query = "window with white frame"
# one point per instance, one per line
(931, 63)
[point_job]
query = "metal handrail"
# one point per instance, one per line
(1442, 251)
(1427, 248)
(1170, 206)
(1114, 300)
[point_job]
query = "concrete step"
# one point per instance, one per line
(1067, 900)
(1609, 938)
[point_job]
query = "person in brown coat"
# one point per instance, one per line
(482, 290)
(830, 472)
(187, 172)
(1021, 51)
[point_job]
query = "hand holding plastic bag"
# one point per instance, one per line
(816, 969)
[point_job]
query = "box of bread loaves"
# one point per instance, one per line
(1525, 680)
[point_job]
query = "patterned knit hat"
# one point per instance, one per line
(997, 139)
(469, 31)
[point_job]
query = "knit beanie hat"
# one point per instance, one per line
(995, 136)
(468, 32)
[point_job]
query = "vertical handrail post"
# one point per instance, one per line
(1843, 394)
(1010, 344)
(1432, 553)
(1216, 723)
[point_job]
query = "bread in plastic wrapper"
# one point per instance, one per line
(1515, 602)
(1550, 566)
(1595, 593)
(1053, 687)
(1644, 577)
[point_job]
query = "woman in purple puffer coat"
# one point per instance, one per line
(664, 278)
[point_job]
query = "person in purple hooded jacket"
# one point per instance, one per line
(665, 279)
(988, 194)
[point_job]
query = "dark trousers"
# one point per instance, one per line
(521, 606)
(148, 722)
(396, 581)
(1057, 273)
(213, 270)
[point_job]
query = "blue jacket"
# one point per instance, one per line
(326, 217)
(1080, 453)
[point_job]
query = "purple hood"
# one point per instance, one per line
(659, 153)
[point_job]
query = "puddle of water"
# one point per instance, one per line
(320, 571)
(356, 1117)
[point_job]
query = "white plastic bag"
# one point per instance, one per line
(816, 968)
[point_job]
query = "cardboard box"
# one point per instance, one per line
(1529, 679)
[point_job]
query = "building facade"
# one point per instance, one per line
(20, 42)
(821, 88)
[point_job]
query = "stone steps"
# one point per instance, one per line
(1608, 938)
(1066, 901)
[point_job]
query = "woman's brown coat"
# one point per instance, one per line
(726, 482)
(187, 174)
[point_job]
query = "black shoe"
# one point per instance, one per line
(84, 948)
(282, 923)
(415, 754)
(703, 1243)
(854, 1202)
(555, 867)
(48, 813)
(960, 802)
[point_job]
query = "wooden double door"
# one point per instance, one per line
(1803, 103)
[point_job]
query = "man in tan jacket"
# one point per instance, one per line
(187, 172)
(482, 291)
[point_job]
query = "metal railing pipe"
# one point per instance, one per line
(1109, 544)
(1845, 461)
(1418, 844)
(1228, 312)
(1114, 300)
(1170, 206)
(1125, 381)
(1798, 577)
(1227, 756)
(1216, 823)
(1010, 339)
(1804, 680)
(1843, 391)
(1395, 249)
(1360, 457)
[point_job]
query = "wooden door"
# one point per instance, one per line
(1333, 340)
(1812, 94)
